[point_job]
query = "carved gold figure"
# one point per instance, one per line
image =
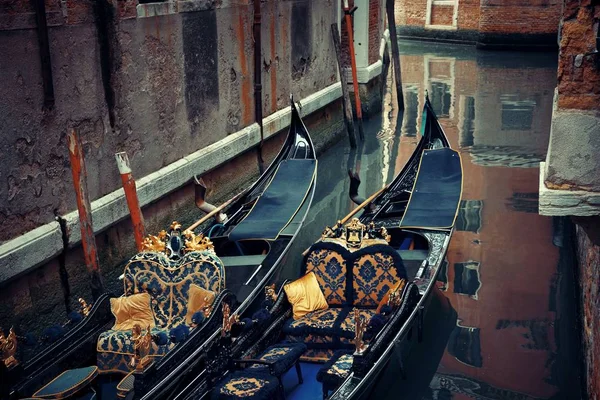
(141, 348)
(175, 226)
(8, 348)
(270, 293)
(361, 326)
(228, 319)
(85, 307)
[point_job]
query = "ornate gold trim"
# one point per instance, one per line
(85, 307)
(361, 326)
(270, 293)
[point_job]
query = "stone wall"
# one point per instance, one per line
(157, 87)
(489, 23)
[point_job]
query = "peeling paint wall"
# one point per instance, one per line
(158, 88)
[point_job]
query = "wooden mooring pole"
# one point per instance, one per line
(88, 241)
(348, 12)
(389, 6)
(347, 105)
(137, 218)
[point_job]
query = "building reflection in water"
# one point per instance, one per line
(502, 263)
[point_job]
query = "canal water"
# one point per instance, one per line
(502, 323)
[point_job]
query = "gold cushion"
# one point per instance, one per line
(305, 295)
(131, 310)
(198, 298)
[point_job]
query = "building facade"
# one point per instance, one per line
(488, 23)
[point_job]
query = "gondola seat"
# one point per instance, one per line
(244, 384)
(349, 279)
(72, 382)
(335, 371)
(168, 282)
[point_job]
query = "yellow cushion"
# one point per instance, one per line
(131, 310)
(305, 295)
(198, 298)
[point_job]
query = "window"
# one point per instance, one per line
(469, 216)
(441, 99)
(466, 279)
(468, 128)
(465, 345)
(517, 115)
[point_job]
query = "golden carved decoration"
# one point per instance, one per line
(155, 243)
(270, 293)
(85, 307)
(8, 348)
(141, 348)
(361, 326)
(175, 226)
(356, 235)
(195, 242)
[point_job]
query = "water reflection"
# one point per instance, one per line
(504, 325)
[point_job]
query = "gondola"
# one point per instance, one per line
(175, 290)
(361, 296)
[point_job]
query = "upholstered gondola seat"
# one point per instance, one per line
(168, 282)
(349, 279)
(335, 371)
(244, 384)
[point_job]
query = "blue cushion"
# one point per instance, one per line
(68, 383)
(335, 371)
(284, 355)
(243, 384)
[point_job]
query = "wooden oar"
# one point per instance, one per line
(363, 205)
(213, 212)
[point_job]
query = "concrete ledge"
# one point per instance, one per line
(40, 245)
(579, 203)
(156, 9)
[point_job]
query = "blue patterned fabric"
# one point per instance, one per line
(68, 383)
(168, 282)
(244, 384)
(349, 279)
(330, 269)
(114, 350)
(336, 370)
(284, 356)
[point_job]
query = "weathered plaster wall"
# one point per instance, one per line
(158, 87)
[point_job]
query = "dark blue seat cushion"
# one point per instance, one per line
(68, 383)
(337, 369)
(284, 356)
(243, 384)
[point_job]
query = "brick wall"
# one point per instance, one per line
(493, 20)
(375, 31)
(516, 16)
(579, 75)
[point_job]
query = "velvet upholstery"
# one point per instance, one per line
(168, 283)
(244, 384)
(131, 310)
(68, 383)
(336, 370)
(374, 270)
(285, 355)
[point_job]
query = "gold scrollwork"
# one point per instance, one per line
(8, 348)
(195, 242)
(228, 320)
(155, 243)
